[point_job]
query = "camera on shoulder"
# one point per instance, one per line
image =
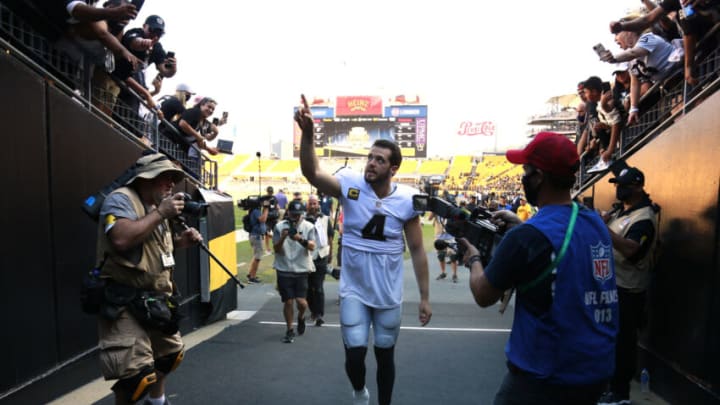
(475, 225)
(256, 201)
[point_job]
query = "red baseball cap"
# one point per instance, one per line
(549, 152)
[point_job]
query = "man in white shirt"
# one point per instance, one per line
(377, 213)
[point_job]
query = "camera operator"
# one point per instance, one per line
(258, 219)
(272, 219)
(561, 347)
(443, 243)
(135, 250)
(294, 242)
(322, 255)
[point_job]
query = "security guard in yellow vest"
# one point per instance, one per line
(633, 226)
(135, 251)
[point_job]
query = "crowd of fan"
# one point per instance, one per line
(658, 41)
(119, 57)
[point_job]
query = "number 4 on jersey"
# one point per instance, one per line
(374, 228)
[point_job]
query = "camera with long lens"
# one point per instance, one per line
(194, 208)
(475, 225)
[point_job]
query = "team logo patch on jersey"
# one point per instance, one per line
(110, 219)
(601, 262)
(353, 193)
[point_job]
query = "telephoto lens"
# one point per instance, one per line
(194, 208)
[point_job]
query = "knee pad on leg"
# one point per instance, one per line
(168, 363)
(386, 327)
(133, 388)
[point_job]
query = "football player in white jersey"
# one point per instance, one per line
(377, 214)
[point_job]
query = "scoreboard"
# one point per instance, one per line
(351, 131)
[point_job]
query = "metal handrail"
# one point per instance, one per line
(675, 98)
(70, 71)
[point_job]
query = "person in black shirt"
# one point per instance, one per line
(191, 126)
(144, 44)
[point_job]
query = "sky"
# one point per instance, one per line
(467, 60)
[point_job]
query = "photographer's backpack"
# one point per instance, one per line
(247, 223)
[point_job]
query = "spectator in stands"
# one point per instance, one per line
(605, 130)
(321, 256)
(581, 110)
(294, 242)
(190, 124)
(104, 88)
(173, 106)
(649, 54)
(83, 23)
(581, 92)
(621, 87)
(693, 27)
(472, 203)
(524, 211)
(144, 44)
(664, 26)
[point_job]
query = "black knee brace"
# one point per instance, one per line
(133, 388)
(167, 364)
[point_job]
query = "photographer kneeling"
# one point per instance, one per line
(561, 347)
(139, 339)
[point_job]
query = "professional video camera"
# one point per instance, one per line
(256, 201)
(474, 226)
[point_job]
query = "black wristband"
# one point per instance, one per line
(472, 260)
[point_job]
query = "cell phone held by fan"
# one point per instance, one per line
(138, 4)
(599, 49)
(168, 55)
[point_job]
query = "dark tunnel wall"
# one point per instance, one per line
(56, 154)
(83, 159)
(682, 174)
(27, 306)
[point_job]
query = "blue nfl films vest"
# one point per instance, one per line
(573, 343)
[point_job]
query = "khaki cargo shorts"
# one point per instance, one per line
(126, 347)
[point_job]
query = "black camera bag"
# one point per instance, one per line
(156, 310)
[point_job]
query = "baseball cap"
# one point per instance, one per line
(629, 175)
(184, 87)
(549, 152)
(621, 67)
(593, 83)
(155, 22)
(150, 166)
(296, 207)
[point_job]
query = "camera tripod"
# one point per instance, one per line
(181, 221)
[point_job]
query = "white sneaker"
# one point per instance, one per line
(361, 397)
(600, 166)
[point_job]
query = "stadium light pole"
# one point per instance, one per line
(258, 154)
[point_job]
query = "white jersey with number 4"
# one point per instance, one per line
(373, 242)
